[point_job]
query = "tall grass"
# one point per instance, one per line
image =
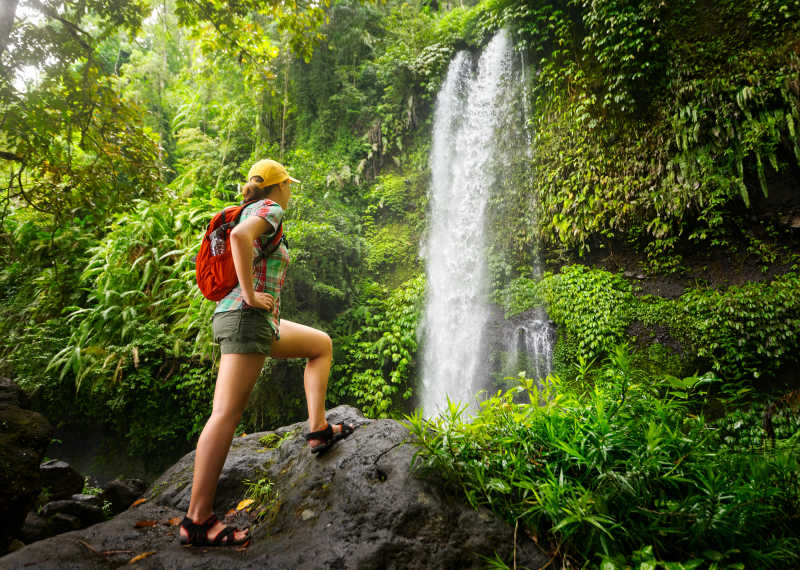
(621, 468)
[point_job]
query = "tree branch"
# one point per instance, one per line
(73, 28)
(5, 155)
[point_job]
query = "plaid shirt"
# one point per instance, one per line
(268, 274)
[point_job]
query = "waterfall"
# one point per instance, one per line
(468, 114)
(526, 345)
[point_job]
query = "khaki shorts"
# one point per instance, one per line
(243, 332)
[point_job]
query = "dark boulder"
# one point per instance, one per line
(95, 500)
(60, 479)
(60, 516)
(34, 528)
(24, 436)
(63, 522)
(122, 492)
(86, 513)
(357, 506)
(11, 393)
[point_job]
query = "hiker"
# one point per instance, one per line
(248, 327)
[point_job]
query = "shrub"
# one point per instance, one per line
(597, 471)
(376, 362)
(742, 332)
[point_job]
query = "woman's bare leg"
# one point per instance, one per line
(237, 376)
(300, 341)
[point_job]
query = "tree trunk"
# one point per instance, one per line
(8, 9)
(285, 102)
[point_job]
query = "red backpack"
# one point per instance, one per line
(214, 269)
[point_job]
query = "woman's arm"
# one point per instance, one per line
(242, 238)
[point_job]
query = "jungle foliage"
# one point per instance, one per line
(625, 469)
(656, 123)
(742, 332)
(660, 125)
(378, 357)
(99, 307)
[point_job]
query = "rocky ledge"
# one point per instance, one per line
(358, 506)
(24, 436)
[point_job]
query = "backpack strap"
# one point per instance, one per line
(243, 205)
(225, 226)
(279, 230)
(273, 247)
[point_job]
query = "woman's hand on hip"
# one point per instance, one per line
(261, 301)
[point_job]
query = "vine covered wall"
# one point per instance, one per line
(741, 333)
(657, 124)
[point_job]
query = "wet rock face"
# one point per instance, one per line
(357, 506)
(24, 436)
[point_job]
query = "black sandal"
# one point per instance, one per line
(198, 534)
(328, 438)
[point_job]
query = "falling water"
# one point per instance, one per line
(469, 112)
(526, 344)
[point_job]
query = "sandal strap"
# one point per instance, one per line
(324, 434)
(225, 536)
(198, 533)
(208, 523)
(346, 429)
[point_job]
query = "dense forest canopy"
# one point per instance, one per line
(664, 136)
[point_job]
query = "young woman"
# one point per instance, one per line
(248, 327)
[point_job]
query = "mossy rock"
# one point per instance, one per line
(24, 436)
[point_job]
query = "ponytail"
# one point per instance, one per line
(253, 190)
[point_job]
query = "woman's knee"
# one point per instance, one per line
(322, 346)
(327, 344)
(225, 417)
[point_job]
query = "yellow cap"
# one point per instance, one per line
(270, 171)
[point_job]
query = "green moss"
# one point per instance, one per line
(741, 332)
(274, 440)
(644, 124)
(158, 488)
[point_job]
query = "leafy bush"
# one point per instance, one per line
(747, 330)
(324, 263)
(596, 471)
(155, 399)
(391, 221)
(376, 358)
(590, 307)
(742, 332)
(141, 272)
(42, 263)
(746, 428)
(643, 124)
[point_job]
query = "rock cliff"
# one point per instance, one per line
(24, 435)
(358, 506)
